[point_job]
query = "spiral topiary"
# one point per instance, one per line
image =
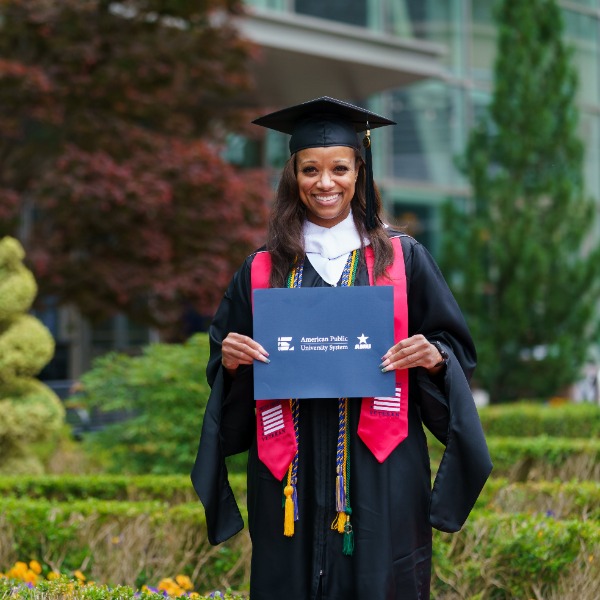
(31, 411)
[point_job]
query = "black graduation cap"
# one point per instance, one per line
(329, 122)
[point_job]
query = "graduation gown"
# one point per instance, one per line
(393, 504)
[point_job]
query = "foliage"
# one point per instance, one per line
(526, 419)
(174, 489)
(521, 259)
(113, 118)
(537, 458)
(31, 412)
(503, 555)
(121, 542)
(64, 588)
(165, 391)
(514, 556)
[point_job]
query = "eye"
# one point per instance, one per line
(309, 170)
(341, 169)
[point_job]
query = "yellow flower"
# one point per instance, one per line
(194, 595)
(79, 575)
(35, 566)
(53, 575)
(30, 577)
(184, 582)
(18, 571)
(169, 586)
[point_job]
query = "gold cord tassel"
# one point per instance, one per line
(288, 520)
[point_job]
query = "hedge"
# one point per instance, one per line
(518, 556)
(496, 555)
(562, 500)
(574, 499)
(174, 489)
(526, 419)
(538, 458)
(126, 543)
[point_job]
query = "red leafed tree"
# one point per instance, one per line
(112, 122)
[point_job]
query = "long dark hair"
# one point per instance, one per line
(284, 236)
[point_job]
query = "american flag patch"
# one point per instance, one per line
(388, 404)
(272, 420)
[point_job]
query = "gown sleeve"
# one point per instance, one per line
(229, 423)
(446, 402)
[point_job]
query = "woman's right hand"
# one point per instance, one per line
(239, 350)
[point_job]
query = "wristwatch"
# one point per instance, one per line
(442, 351)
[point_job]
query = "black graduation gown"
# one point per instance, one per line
(393, 505)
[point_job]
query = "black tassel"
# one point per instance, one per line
(370, 216)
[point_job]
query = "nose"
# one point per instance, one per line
(326, 182)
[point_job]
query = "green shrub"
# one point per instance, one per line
(174, 489)
(32, 413)
(127, 543)
(562, 500)
(165, 391)
(525, 419)
(538, 458)
(518, 556)
(495, 555)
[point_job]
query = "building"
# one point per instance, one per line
(427, 64)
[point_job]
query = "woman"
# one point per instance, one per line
(357, 519)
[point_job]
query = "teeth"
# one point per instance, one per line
(326, 198)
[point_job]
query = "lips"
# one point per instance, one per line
(327, 198)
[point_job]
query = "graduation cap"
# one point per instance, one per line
(330, 122)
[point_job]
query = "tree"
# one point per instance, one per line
(113, 117)
(31, 412)
(522, 260)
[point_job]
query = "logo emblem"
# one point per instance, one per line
(284, 344)
(362, 342)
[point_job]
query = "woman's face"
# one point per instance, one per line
(326, 181)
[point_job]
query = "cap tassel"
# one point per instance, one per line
(370, 216)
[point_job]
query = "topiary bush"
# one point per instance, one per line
(165, 392)
(31, 412)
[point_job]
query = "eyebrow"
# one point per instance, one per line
(335, 161)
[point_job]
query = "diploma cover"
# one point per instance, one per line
(323, 342)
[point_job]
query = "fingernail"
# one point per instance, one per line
(384, 370)
(266, 360)
(381, 365)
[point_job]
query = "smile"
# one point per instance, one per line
(327, 199)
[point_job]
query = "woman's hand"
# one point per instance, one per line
(239, 350)
(414, 351)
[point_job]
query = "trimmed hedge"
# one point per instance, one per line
(538, 458)
(574, 499)
(126, 543)
(495, 556)
(174, 489)
(526, 419)
(562, 500)
(518, 556)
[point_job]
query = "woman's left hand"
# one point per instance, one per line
(415, 351)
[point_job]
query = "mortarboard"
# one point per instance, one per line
(329, 122)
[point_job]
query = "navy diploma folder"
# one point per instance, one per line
(323, 342)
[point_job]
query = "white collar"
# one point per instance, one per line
(328, 248)
(332, 242)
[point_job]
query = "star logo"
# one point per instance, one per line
(362, 338)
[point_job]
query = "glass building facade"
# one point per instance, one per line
(416, 160)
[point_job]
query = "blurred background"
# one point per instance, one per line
(132, 186)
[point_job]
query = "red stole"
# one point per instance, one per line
(383, 422)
